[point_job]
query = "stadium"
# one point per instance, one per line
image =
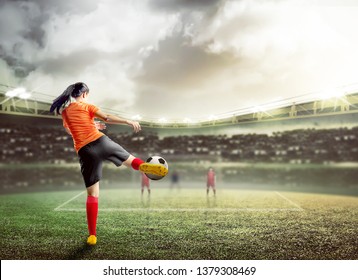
(286, 185)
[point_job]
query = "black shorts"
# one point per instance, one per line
(94, 153)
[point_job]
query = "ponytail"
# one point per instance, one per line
(74, 90)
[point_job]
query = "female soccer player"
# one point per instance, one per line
(93, 147)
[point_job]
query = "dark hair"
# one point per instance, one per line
(74, 90)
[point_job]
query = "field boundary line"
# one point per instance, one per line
(58, 208)
(187, 209)
(289, 200)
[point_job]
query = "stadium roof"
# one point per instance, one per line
(19, 101)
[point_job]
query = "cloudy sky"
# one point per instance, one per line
(179, 58)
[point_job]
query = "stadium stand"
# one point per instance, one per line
(33, 144)
(37, 152)
(40, 155)
(35, 156)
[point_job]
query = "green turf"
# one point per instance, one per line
(237, 224)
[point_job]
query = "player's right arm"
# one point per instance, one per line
(117, 120)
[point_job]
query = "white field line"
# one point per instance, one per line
(58, 208)
(290, 201)
(214, 209)
(186, 209)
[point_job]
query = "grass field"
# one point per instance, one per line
(185, 224)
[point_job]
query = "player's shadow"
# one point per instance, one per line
(210, 201)
(145, 201)
(81, 252)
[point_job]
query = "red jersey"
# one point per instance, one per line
(145, 180)
(210, 178)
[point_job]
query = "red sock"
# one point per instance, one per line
(92, 212)
(136, 162)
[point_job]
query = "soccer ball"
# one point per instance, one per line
(156, 160)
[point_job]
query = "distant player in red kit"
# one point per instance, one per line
(211, 181)
(145, 183)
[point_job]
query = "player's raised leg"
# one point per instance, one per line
(151, 168)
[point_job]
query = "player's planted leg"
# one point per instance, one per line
(92, 212)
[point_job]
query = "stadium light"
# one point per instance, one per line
(212, 118)
(332, 93)
(15, 92)
(162, 120)
(11, 93)
(137, 117)
(257, 109)
(20, 92)
(349, 89)
(187, 120)
(25, 95)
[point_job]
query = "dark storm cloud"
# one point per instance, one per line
(58, 7)
(31, 17)
(33, 31)
(178, 73)
(188, 9)
(190, 5)
(73, 63)
(20, 67)
(20, 26)
(177, 64)
(173, 52)
(38, 12)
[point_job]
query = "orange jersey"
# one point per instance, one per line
(78, 117)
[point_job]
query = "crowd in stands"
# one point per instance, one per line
(30, 144)
(36, 156)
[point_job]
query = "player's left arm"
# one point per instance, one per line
(111, 119)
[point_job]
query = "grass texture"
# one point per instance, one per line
(181, 224)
